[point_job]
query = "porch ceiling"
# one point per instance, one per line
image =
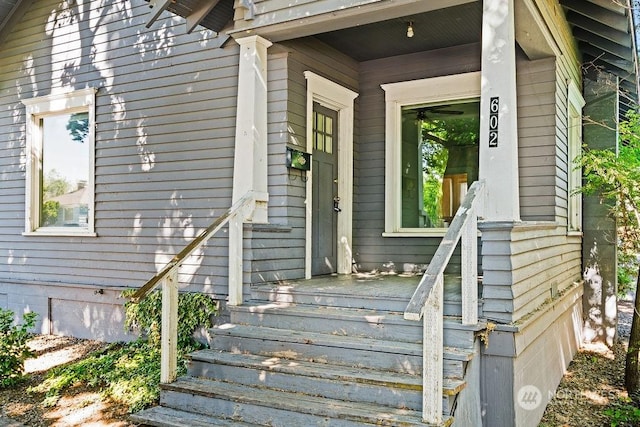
(440, 28)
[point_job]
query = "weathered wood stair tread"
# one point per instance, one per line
(337, 341)
(161, 416)
(313, 405)
(339, 292)
(345, 313)
(451, 386)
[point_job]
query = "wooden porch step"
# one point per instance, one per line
(379, 324)
(160, 416)
(279, 408)
(333, 381)
(352, 297)
(351, 351)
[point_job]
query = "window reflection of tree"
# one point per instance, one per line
(438, 137)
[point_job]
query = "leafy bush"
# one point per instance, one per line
(627, 272)
(194, 311)
(130, 373)
(13, 346)
(623, 414)
(127, 373)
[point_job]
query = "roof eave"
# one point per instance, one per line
(13, 17)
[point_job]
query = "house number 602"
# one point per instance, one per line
(494, 109)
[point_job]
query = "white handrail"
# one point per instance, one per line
(168, 276)
(428, 299)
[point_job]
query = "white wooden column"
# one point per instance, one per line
(169, 330)
(250, 161)
(498, 113)
(250, 157)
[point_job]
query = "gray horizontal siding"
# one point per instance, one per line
(279, 253)
(526, 265)
(536, 138)
(165, 126)
(372, 251)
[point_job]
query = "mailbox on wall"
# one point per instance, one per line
(297, 159)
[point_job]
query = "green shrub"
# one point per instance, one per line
(127, 373)
(130, 373)
(627, 272)
(623, 414)
(194, 310)
(13, 346)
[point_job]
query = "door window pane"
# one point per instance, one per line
(323, 130)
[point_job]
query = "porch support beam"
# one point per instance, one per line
(498, 113)
(201, 12)
(157, 7)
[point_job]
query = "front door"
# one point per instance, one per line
(326, 204)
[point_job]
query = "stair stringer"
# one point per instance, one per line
(468, 405)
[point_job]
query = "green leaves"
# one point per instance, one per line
(13, 346)
(130, 373)
(623, 414)
(614, 177)
(194, 311)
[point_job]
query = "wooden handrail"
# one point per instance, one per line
(168, 276)
(427, 302)
(194, 245)
(440, 260)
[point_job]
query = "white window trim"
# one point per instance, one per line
(36, 108)
(459, 87)
(575, 102)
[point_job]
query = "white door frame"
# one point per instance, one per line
(338, 98)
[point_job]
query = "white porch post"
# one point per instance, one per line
(250, 161)
(250, 157)
(498, 113)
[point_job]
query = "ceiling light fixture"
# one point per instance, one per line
(410, 29)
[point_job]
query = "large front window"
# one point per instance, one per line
(439, 161)
(60, 163)
(432, 136)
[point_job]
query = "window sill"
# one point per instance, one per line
(574, 233)
(60, 233)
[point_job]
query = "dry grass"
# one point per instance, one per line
(593, 383)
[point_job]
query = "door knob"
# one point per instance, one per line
(336, 204)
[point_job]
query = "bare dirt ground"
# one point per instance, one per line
(80, 406)
(594, 380)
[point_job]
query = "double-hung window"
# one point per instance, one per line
(60, 164)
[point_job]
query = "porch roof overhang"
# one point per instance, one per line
(11, 11)
(214, 15)
(606, 36)
(604, 29)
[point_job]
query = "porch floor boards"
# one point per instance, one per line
(383, 286)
